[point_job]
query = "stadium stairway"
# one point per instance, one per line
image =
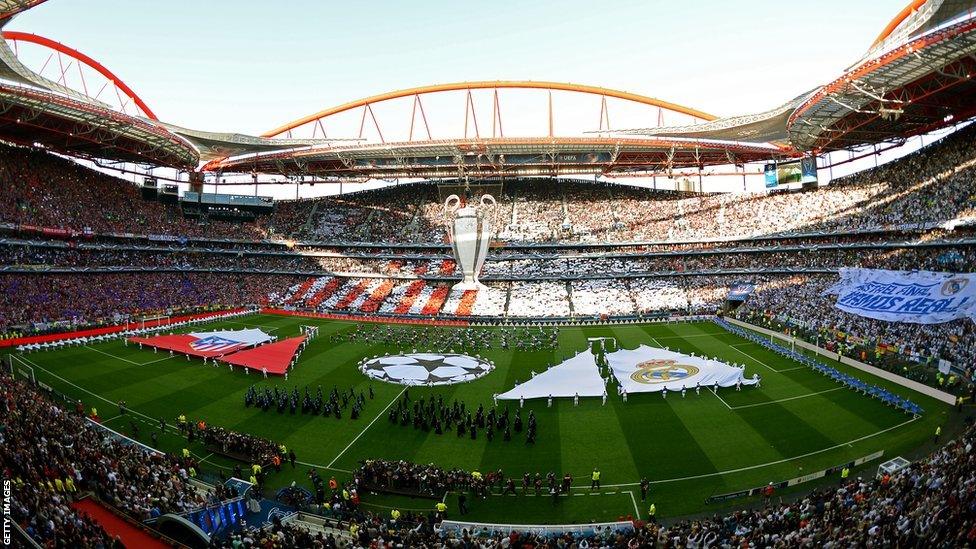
(396, 295)
(114, 525)
(310, 222)
(569, 298)
(452, 302)
(316, 524)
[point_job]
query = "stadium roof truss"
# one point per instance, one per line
(915, 78)
(919, 86)
(498, 157)
(473, 151)
(38, 110)
(9, 8)
(30, 116)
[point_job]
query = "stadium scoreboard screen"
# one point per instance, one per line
(793, 175)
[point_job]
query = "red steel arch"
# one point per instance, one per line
(31, 38)
(490, 84)
(898, 19)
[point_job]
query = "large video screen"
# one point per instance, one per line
(794, 174)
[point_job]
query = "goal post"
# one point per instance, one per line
(783, 339)
(19, 369)
(142, 321)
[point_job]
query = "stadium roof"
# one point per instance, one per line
(492, 157)
(9, 8)
(915, 78)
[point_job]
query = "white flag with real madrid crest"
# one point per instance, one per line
(650, 369)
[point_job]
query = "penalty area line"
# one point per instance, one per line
(125, 359)
(714, 392)
(383, 413)
(785, 399)
(756, 359)
(633, 500)
(96, 395)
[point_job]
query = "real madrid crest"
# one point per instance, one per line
(662, 370)
(954, 285)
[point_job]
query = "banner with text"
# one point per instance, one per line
(918, 297)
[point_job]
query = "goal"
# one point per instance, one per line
(20, 369)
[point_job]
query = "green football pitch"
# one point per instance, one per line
(690, 448)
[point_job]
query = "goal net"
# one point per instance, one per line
(19, 369)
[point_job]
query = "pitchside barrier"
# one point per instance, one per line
(794, 481)
(884, 374)
(475, 529)
(485, 322)
(595, 322)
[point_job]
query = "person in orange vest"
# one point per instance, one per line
(767, 493)
(276, 461)
(333, 485)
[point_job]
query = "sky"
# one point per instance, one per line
(249, 66)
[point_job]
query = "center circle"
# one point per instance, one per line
(426, 368)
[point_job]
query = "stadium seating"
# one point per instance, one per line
(137, 258)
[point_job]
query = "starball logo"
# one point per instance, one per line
(7, 521)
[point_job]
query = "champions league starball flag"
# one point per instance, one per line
(426, 368)
(919, 297)
(649, 369)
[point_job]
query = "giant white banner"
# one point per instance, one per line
(576, 376)
(650, 369)
(918, 297)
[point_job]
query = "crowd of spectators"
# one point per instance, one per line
(958, 257)
(538, 299)
(52, 455)
(929, 186)
(38, 303)
(41, 189)
(797, 303)
(932, 185)
(602, 297)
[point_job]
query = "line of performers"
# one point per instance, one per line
(293, 401)
(435, 415)
(444, 339)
